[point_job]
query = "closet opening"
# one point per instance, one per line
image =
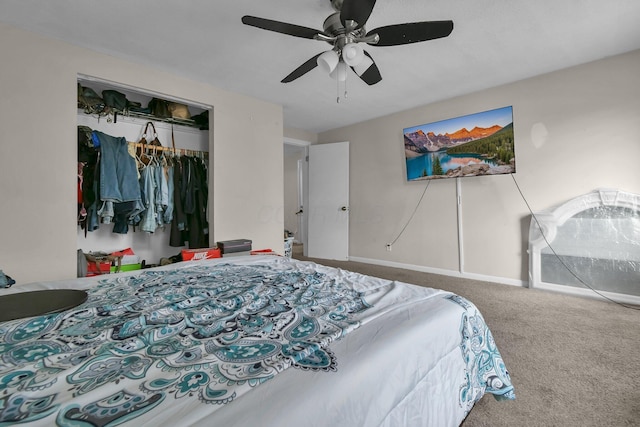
(147, 192)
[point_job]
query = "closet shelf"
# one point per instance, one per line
(145, 117)
(151, 117)
(141, 98)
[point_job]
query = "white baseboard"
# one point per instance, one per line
(567, 290)
(453, 273)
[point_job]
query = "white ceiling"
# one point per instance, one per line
(493, 42)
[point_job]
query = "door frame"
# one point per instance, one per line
(303, 188)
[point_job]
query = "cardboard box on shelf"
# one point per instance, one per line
(238, 245)
(199, 254)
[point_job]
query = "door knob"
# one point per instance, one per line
(344, 208)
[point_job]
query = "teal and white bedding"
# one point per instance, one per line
(256, 340)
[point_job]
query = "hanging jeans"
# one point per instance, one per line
(168, 213)
(148, 184)
(162, 194)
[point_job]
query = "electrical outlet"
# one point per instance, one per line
(388, 247)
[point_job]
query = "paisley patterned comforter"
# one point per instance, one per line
(185, 344)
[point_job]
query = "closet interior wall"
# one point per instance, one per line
(148, 246)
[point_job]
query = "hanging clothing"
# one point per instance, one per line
(90, 194)
(87, 160)
(118, 181)
(168, 213)
(190, 225)
(116, 188)
(118, 171)
(148, 187)
(179, 220)
(162, 193)
(199, 225)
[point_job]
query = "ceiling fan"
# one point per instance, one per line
(345, 31)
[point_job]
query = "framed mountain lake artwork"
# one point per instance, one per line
(472, 145)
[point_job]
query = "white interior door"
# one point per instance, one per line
(328, 219)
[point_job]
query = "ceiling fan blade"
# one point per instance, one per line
(356, 10)
(371, 75)
(303, 69)
(412, 32)
(280, 27)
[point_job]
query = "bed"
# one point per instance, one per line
(254, 340)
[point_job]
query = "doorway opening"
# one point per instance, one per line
(296, 154)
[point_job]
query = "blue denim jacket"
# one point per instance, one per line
(118, 171)
(118, 175)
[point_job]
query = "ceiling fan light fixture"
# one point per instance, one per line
(363, 66)
(352, 54)
(340, 72)
(345, 31)
(328, 61)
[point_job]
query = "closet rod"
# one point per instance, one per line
(182, 151)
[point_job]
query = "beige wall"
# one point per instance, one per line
(300, 135)
(38, 153)
(575, 130)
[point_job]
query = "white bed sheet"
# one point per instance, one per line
(405, 365)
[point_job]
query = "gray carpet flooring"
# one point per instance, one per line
(573, 361)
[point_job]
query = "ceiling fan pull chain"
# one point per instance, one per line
(345, 85)
(338, 88)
